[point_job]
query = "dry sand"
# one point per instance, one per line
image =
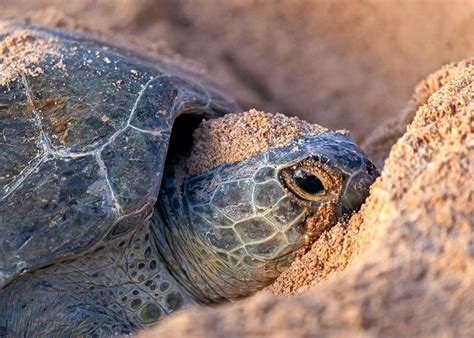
(412, 245)
(21, 49)
(402, 266)
(236, 137)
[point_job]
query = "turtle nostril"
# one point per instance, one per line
(372, 170)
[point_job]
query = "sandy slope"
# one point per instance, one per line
(413, 274)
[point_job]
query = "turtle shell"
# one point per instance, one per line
(84, 132)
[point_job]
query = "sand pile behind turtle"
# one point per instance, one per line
(236, 137)
(342, 64)
(414, 275)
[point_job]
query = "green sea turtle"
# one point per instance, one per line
(94, 239)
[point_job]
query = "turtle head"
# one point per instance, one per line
(233, 229)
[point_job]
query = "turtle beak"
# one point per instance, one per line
(358, 172)
(357, 188)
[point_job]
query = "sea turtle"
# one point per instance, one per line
(89, 242)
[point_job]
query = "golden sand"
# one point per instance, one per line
(236, 137)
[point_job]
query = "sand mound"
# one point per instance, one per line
(236, 137)
(377, 145)
(414, 273)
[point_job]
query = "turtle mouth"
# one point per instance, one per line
(356, 192)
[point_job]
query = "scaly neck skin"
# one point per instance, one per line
(177, 248)
(178, 245)
(199, 269)
(193, 262)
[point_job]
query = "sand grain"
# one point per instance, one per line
(236, 137)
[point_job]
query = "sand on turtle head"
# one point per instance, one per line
(236, 137)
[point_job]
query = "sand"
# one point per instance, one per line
(402, 266)
(237, 137)
(412, 272)
(20, 51)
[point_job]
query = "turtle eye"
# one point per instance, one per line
(304, 183)
(309, 183)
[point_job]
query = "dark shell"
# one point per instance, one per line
(82, 146)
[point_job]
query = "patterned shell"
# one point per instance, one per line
(84, 132)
